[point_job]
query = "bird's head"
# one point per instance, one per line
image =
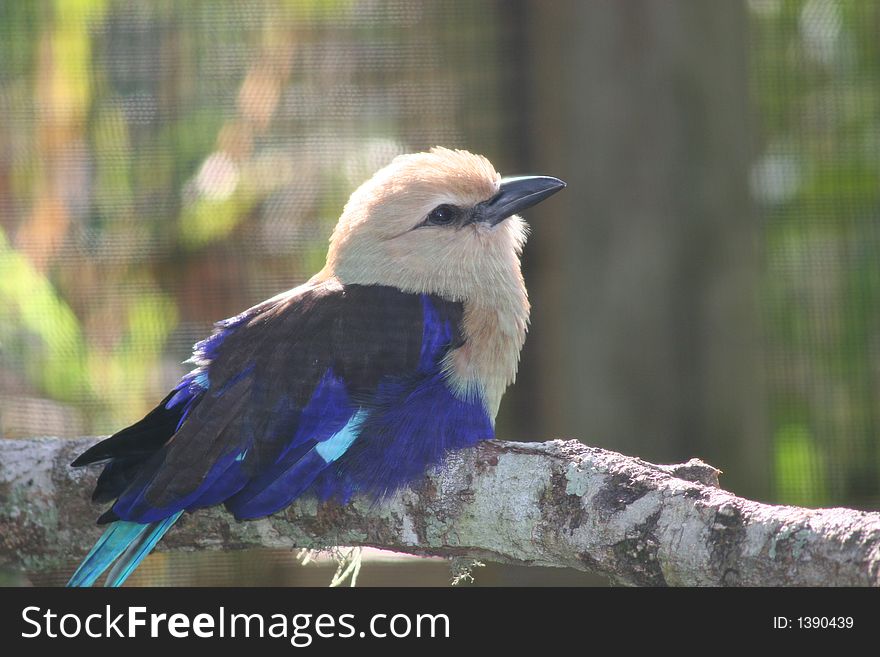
(442, 222)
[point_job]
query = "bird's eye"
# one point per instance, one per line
(442, 215)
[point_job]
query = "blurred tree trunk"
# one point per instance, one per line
(644, 273)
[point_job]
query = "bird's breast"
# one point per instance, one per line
(486, 364)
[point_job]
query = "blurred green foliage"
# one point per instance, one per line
(164, 165)
(815, 74)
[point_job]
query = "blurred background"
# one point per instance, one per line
(708, 285)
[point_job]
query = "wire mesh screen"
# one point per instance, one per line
(166, 165)
(816, 178)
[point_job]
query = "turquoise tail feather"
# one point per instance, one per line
(112, 543)
(131, 540)
(138, 550)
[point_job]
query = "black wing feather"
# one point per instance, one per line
(269, 361)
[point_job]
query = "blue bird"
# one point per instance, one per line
(395, 353)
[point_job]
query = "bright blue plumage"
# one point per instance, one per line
(139, 549)
(129, 542)
(348, 384)
(260, 449)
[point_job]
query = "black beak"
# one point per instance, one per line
(516, 195)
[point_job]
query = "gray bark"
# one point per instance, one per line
(550, 504)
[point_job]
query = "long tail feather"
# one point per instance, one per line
(132, 540)
(112, 543)
(138, 550)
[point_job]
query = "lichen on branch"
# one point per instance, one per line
(557, 503)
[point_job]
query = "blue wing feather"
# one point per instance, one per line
(327, 414)
(378, 412)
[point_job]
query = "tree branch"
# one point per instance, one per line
(550, 504)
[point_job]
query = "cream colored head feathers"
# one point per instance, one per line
(384, 238)
(376, 240)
